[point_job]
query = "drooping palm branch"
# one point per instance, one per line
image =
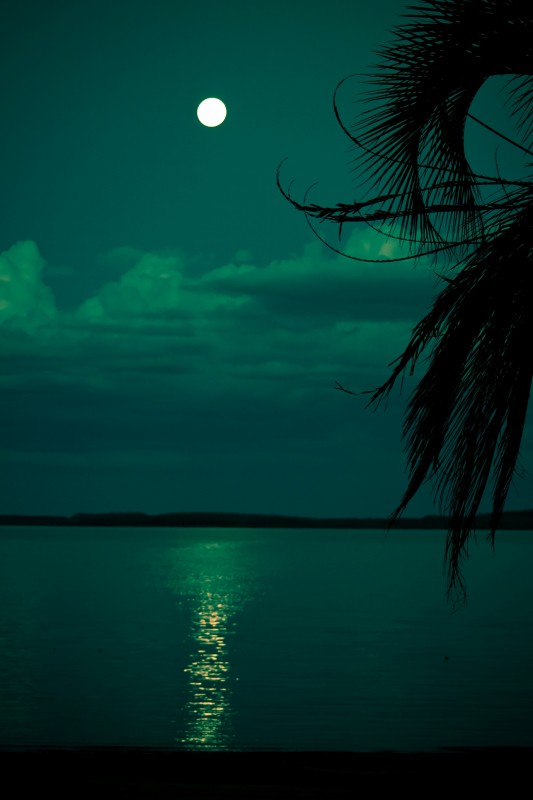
(465, 420)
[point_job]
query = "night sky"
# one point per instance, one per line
(171, 329)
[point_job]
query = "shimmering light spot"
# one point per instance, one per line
(215, 585)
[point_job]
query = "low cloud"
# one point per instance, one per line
(239, 341)
(314, 318)
(25, 300)
(235, 365)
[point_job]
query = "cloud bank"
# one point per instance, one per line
(163, 372)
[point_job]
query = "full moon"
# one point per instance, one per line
(211, 112)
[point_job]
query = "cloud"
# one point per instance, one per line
(232, 369)
(25, 300)
(154, 288)
(309, 320)
(151, 286)
(322, 284)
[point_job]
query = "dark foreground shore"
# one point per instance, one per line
(140, 773)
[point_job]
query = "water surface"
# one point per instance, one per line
(261, 639)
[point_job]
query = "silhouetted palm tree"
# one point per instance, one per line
(465, 420)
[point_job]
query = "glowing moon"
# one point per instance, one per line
(211, 112)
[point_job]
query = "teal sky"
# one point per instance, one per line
(170, 329)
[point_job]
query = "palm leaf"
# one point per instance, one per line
(465, 420)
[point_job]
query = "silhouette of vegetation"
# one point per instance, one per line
(465, 420)
(511, 520)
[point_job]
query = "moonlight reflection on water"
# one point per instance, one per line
(214, 586)
(208, 711)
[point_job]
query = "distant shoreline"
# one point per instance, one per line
(511, 520)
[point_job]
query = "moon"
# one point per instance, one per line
(211, 112)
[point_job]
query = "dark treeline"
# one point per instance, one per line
(511, 520)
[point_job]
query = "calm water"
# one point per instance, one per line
(249, 639)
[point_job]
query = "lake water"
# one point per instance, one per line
(262, 639)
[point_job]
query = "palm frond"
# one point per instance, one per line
(420, 95)
(466, 417)
(521, 103)
(465, 420)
